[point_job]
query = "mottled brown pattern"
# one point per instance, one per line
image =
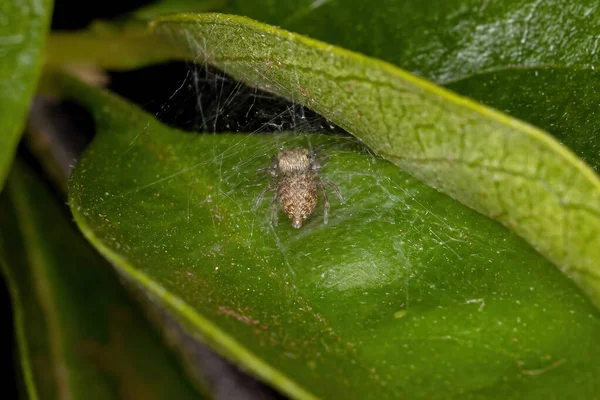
(296, 184)
(297, 195)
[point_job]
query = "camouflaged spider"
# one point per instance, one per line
(296, 185)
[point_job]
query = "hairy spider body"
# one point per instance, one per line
(297, 195)
(296, 185)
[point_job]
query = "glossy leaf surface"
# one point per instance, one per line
(79, 335)
(23, 29)
(445, 40)
(406, 293)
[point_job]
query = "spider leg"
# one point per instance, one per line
(335, 188)
(269, 170)
(326, 200)
(315, 160)
(261, 195)
(272, 170)
(315, 150)
(274, 210)
(323, 158)
(316, 165)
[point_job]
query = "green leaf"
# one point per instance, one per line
(122, 43)
(78, 333)
(445, 40)
(116, 46)
(563, 101)
(406, 293)
(23, 28)
(533, 59)
(499, 166)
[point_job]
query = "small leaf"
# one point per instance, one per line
(23, 28)
(115, 47)
(406, 293)
(123, 43)
(79, 335)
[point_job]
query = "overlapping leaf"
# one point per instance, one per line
(534, 59)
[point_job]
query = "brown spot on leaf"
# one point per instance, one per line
(242, 318)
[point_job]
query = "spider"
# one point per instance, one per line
(296, 184)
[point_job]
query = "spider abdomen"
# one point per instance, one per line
(297, 195)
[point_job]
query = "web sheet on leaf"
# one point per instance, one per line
(396, 258)
(207, 101)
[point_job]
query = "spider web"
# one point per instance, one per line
(394, 274)
(201, 99)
